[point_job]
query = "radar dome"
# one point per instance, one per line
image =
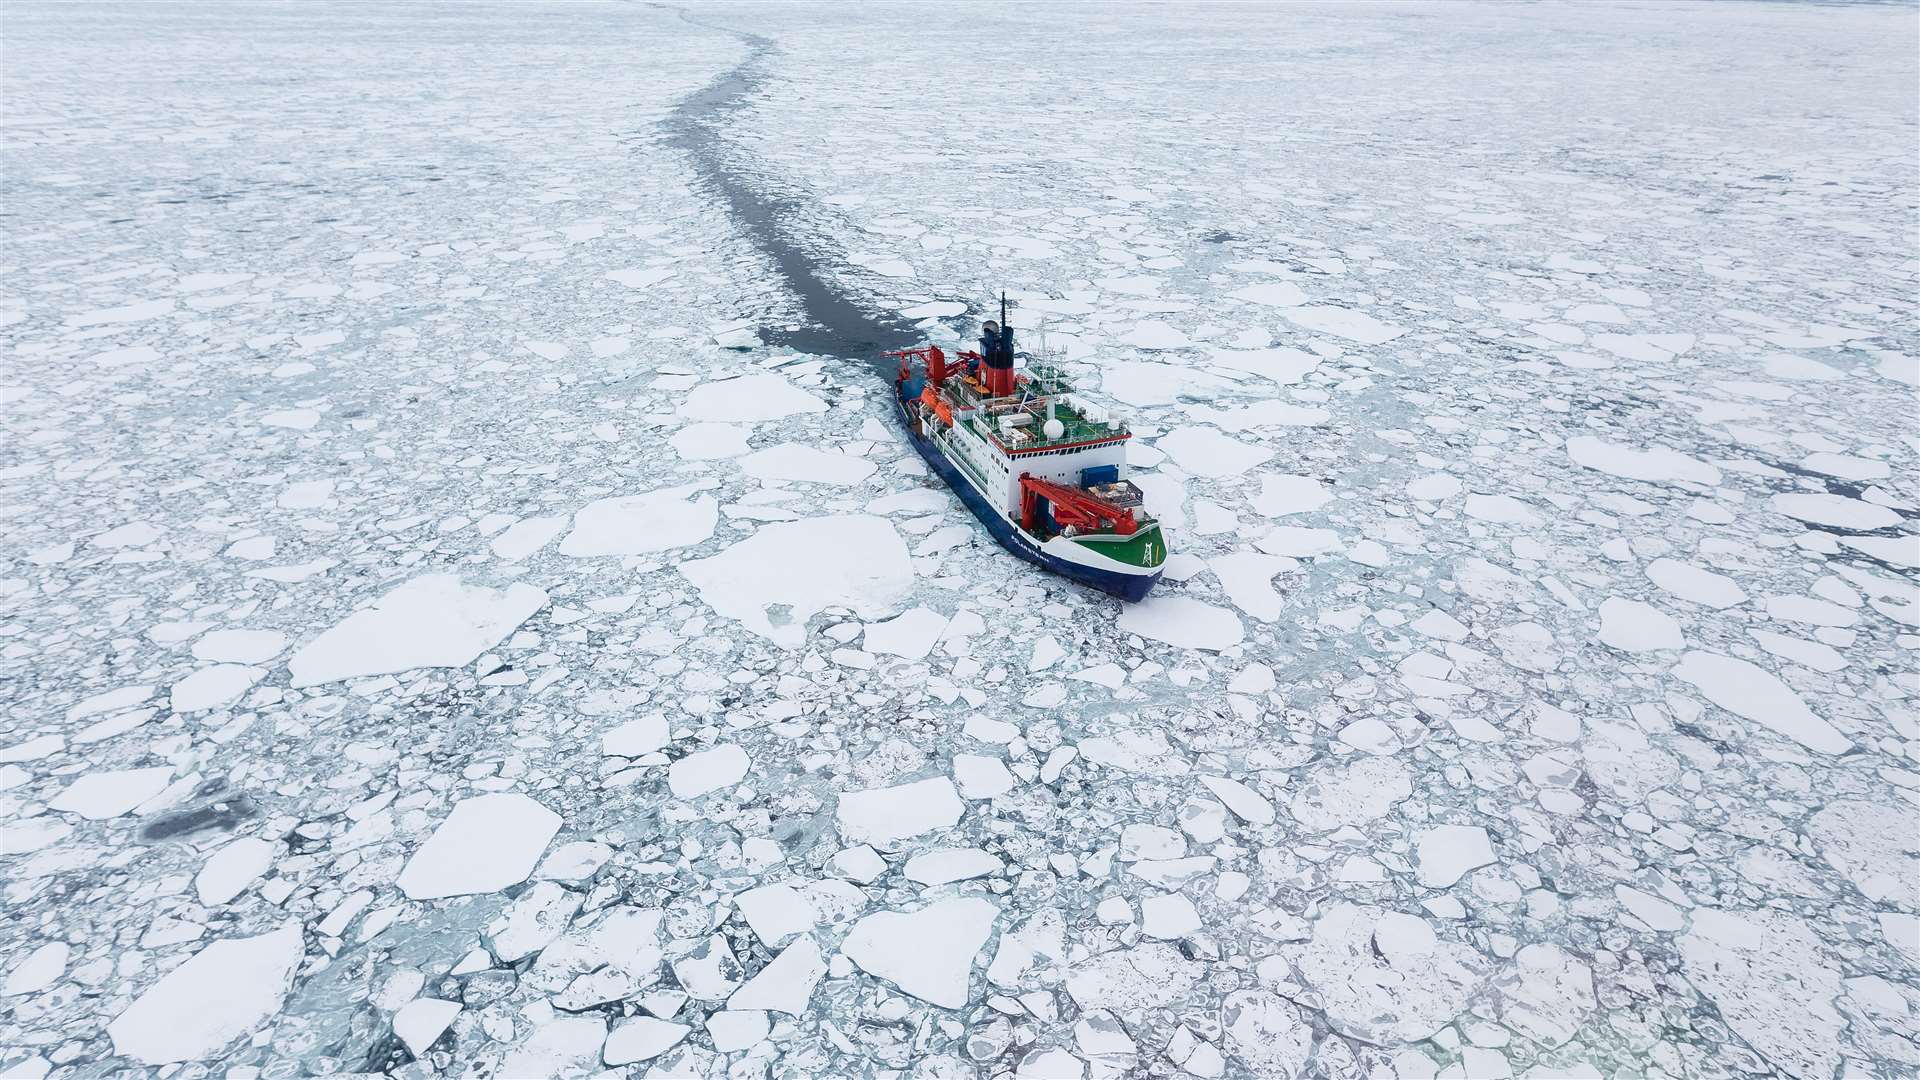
(1053, 429)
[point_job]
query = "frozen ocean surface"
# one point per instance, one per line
(466, 609)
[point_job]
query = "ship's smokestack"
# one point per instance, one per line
(997, 356)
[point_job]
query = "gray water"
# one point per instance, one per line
(834, 323)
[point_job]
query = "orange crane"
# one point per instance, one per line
(1072, 507)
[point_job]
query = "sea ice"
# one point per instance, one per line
(100, 795)
(794, 461)
(1755, 693)
(748, 399)
(487, 843)
(659, 520)
(1205, 451)
(928, 953)
(781, 576)
(883, 817)
(220, 993)
(431, 621)
(1447, 852)
(1658, 464)
(1184, 622)
(1633, 626)
(1343, 322)
(707, 771)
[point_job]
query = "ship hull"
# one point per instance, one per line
(1130, 587)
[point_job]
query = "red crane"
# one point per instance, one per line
(1071, 507)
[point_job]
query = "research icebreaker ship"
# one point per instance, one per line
(1042, 468)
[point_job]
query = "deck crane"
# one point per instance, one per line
(1071, 508)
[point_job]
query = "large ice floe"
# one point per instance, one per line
(467, 608)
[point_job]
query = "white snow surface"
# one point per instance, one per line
(1546, 475)
(434, 620)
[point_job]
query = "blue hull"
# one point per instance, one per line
(1125, 586)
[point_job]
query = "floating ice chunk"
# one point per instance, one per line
(1811, 654)
(1753, 692)
(228, 871)
(1892, 550)
(944, 865)
(526, 536)
(792, 570)
(305, 495)
(1270, 1033)
(1282, 366)
(733, 1031)
(911, 634)
(212, 687)
(132, 534)
(1766, 971)
(100, 795)
(1296, 542)
(1205, 451)
(885, 816)
(127, 357)
(1183, 622)
(786, 984)
(1502, 510)
(1433, 487)
(707, 442)
(708, 771)
(934, 309)
(109, 701)
(1138, 383)
(239, 646)
(795, 461)
(1447, 852)
(928, 953)
(1248, 577)
(641, 277)
(297, 419)
(1343, 322)
(432, 621)
(1282, 495)
(1659, 464)
(659, 520)
(1281, 294)
(1247, 804)
(420, 1022)
(777, 912)
(1782, 365)
(636, 737)
(37, 970)
(563, 1046)
(1690, 582)
(129, 313)
(1633, 626)
(1154, 334)
(577, 861)
(220, 993)
(1806, 609)
(1168, 916)
(1043, 1063)
(486, 844)
(1835, 510)
(1438, 624)
(981, 777)
(1655, 912)
(642, 1038)
(749, 399)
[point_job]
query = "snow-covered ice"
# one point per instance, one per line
(467, 606)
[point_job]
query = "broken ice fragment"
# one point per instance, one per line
(1447, 852)
(786, 984)
(220, 993)
(790, 571)
(432, 621)
(885, 816)
(708, 771)
(487, 843)
(928, 953)
(1746, 690)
